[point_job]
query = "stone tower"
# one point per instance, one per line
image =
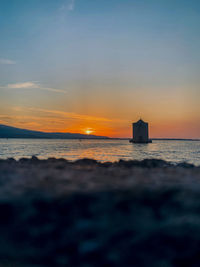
(140, 132)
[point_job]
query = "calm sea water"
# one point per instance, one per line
(102, 150)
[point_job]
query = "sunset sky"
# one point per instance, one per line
(96, 66)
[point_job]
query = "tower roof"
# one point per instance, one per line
(140, 121)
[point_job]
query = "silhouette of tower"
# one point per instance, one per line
(140, 132)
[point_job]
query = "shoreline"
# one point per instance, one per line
(129, 213)
(102, 138)
(146, 163)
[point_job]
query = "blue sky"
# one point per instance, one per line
(116, 59)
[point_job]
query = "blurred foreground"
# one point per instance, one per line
(84, 213)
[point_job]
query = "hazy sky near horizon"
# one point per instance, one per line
(99, 65)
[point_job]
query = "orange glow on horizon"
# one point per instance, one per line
(58, 121)
(156, 129)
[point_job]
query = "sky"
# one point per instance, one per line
(96, 66)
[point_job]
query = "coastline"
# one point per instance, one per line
(85, 213)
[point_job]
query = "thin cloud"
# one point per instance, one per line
(48, 120)
(31, 85)
(54, 114)
(70, 5)
(4, 61)
(53, 90)
(26, 85)
(71, 115)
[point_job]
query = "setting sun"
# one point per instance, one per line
(88, 131)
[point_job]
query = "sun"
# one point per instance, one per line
(89, 131)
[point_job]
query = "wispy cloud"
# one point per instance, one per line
(53, 90)
(31, 85)
(4, 61)
(71, 115)
(52, 120)
(69, 5)
(55, 114)
(22, 85)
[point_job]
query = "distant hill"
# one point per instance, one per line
(13, 132)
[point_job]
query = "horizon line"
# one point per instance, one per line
(103, 136)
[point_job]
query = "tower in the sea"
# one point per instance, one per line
(140, 132)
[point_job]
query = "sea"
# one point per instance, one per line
(101, 150)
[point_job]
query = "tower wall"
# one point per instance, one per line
(140, 132)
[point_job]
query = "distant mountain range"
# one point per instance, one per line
(13, 132)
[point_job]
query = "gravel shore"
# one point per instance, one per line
(85, 213)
